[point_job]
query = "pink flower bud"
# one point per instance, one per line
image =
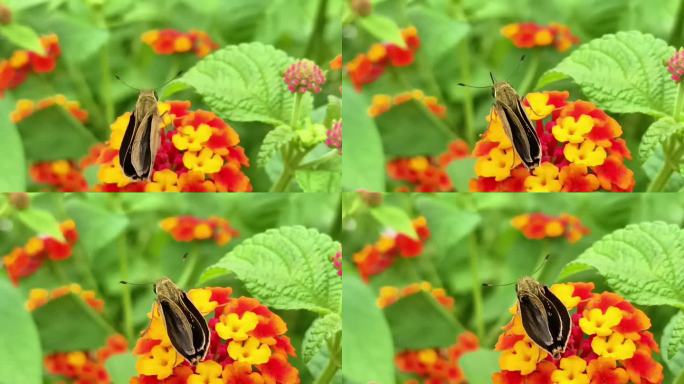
(303, 76)
(676, 66)
(334, 134)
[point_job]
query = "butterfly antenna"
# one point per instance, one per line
(539, 267)
(125, 83)
(474, 86)
(129, 283)
(516, 68)
(171, 79)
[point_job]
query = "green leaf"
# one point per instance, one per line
(479, 366)
(287, 268)
(23, 37)
(657, 134)
(245, 83)
(96, 226)
(643, 262)
(19, 345)
(322, 330)
(41, 222)
(333, 111)
(54, 134)
(80, 39)
(672, 343)
(69, 324)
(383, 28)
(274, 140)
(460, 172)
(367, 343)
(622, 73)
(439, 33)
(321, 180)
(410, 129)
(13, 165)
(394, 218)
(419, 321)
(121, 368)
(448, 224)
(361, 143)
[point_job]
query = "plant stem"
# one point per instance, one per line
(477, 286)
(126, 301)
(294, 122)
(87, 97)
(468, 106)
(191, 263)
(529, 74)
(318, 30)
(676, 34)
(105, 68)
(678, 102)
(314, 163)
(289, 167)
(333, 364)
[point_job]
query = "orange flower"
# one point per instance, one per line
(86, 366)
(438, 365)
(169, 42)
(530, 35)
(63, 175)
(39, 297)
(13, 72)
(383, 103)
(190, 228)
(26, 108)
(390, 295)
(538, 226)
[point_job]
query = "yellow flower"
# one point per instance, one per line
(201, 298)
(543, 37)
(573, 131)
(419, 163)
(34, 246)
(169, 223)
(206, 161)
(182, 44)
(595, 322)
(587, 153)
(572, 371)
(496, 133)
(190, 138)
(427, 356)
(157, 328)
(207, 372)
(616, 346)
(163, 181)
(76, 359)
(538, 108)
(158, 362)
(150, 37)
(564, 293)
(112, 173)
(497, 164)
(544, 179)
(232, 326)
(118, 130)
(250, 351)
(554, 228)
(523, 357)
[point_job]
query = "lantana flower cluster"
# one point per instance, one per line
(86, 367)
(426, 173)
(530, 35)
(13, 71)
(676, 66)
(170, 41)
(247, 345)
(39, 296)
(24, 261)
(383, 103)
(374, 259)
(334, 136)
(367, 67)
(437, 365)
(191, 228)
(537, 226)
(61, 175)
(390, 295)
(304, 76)
(199, 152)
(581, 150)
(26, 108)
(609, 344)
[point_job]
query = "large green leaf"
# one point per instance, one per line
(419, 321)
(460, 172)
(318, 180)
(368, 354)
(362, 147)
(286, 268)
(622, 73)
(79, 39)
(244, 83)
(97, 226)
(657, 134)
(479, 366)
(19, 343)
(23, 37)
(41, 222)
(643, 262)
(54, 134)
(448, 224)
(383, 28)
(322, 330)
(13, 164)
(69, 324)
(274, 140)
(410, 129)
(439, 33)
(673, 343)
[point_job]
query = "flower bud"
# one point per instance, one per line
(304, 75)
(676, 66)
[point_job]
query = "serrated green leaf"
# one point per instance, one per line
(287, 268)
(419, 321)
(656, 134)
(273, 141)
(41, 222)
(65, 325)
(19, 344)
(321, 330)
(245, 83)
(622, 73)
(54, 134)
(383, 28)
(643, 262)
(394, 218)
(672, 343)
(368, 354)
(479, 366)
(23, 37)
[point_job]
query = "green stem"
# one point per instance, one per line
(289, 167)
(318, 29)
(477, 286)
(87, 98)
(676, 35)
(126, 301)
(678, 102)
(86, 272)
(333, 363)
(531, 72)
(294, 122)
(190, 265)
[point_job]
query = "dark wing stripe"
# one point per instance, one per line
(200, 329)
(530, 132)
(176, 329)
(125, 148)
(520, 142)
(535, 323)
(563, 318)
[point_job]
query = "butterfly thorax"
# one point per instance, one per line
(147, 101)
(527, 286)
(504, 93)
